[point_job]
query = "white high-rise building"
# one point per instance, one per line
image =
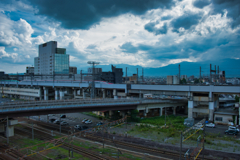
(51, 60)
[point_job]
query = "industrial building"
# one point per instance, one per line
(112, 77)
(172, 79)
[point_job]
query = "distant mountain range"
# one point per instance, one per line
(230, 66)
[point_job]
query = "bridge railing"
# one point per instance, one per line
(72, 103)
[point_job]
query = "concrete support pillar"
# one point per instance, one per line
(217, 102)
(174, 110)
(104, 93)
(140, 95)
(45, 93)
(190, 109)
(160, 111)
(122, 113)
(146, 112)
(114, 92)
(110, 114)
(56, 94)
(74, 93)
(40, 94)
(83, 93)
(210, 96)
(61, 94)
(190, 96)
(211, 110)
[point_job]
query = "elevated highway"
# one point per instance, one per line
(31, 108)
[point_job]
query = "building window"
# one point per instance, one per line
(218, 118)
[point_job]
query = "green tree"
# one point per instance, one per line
(236, 98)
(196, 81)
(183, 81)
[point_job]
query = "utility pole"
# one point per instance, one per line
(93, 63)
(81, 75)
(137, 75)
(142, 74)
(126, 73)
(7, 131)
(200, 72)
(210, 73)
(179, 72)
(32, 132)
(165, 115)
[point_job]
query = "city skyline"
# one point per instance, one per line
(150, 34)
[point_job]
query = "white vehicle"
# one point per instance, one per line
(233, 128)
(83, 121)
(88, 121)
(211, 125)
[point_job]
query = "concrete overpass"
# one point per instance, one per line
(31, 108)
(198, 96)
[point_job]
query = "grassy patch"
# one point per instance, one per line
(93, 115)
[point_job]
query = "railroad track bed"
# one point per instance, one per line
(7, 153)
(137, 147)
(26, 131)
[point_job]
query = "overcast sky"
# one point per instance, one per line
(149, 33)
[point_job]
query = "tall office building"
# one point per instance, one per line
(51, 60)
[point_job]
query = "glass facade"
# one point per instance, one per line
(61, 64)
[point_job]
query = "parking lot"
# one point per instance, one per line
(71, 118)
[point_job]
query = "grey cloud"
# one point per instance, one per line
(129, 48)
(84, 14)
(150, 27)
(91, 46)
(186, 21)
(166, 18)
(233, 8)
(201, 3)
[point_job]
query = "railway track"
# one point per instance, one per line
(8, 153)
(138, 147)
(77, 149)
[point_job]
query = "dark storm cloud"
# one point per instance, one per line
(218, 6)
(150, 27)
(232, 7)
(83, 14)
(201, 3)
(166, 18)
(129, 48)
(186, 21)
(189, 48)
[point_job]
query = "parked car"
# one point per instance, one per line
(52, 120)
(211, 125)
(88, 121)
(83, 121)
(100, 123)
(234, 132)
(63, 116)
(57, 122)
(233, 128)
(63, 123)
(78, 127)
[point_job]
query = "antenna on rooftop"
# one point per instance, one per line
(93, 63)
